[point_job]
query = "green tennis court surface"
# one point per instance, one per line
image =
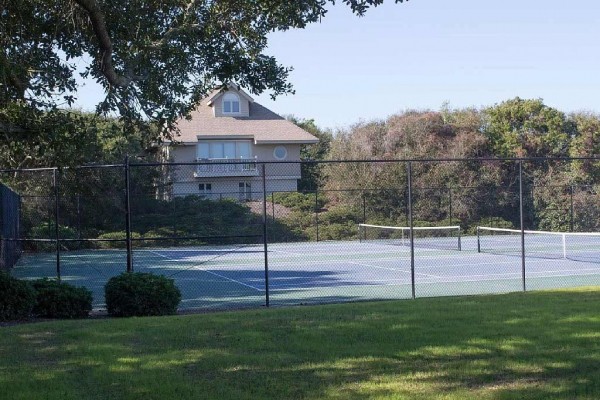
(234, 276)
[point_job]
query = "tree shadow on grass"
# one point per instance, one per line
(535, 345)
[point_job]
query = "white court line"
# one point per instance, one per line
(195, 267)
(232, 280)
(391, 269)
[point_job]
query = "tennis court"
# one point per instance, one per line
(233, 276)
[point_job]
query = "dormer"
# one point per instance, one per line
(230, 101)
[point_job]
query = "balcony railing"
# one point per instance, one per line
(216, 167)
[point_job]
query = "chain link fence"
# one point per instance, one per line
(235, 234)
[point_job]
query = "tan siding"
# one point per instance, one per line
(218, 106)
(264, 152)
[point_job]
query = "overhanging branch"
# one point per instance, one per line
(106, 48)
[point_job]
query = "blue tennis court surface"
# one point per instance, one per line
(234, 275)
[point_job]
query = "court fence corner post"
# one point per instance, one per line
(128, 215)
(264, 233)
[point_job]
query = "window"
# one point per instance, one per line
(231, 103)
(205, 188)
(230, 149)
(245, 191)
(280, 152)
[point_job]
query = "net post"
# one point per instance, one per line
(564, 245)
(264, 233)
(459, 240)
(410, 224)
(478, 241)
(521, 217)
(360, 233)
(56, 219)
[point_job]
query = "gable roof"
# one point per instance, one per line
(216, 93)
(262, 124)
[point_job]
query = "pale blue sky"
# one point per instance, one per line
(422, 53)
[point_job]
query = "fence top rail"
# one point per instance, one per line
(275, 162)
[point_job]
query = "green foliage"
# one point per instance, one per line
(116, 240)
(17, 298)
(43, 138)
(47, 230)
(300, 201)
(313, 174)
(141, 294)
(528, 128)
(61, 300)
(154, 59)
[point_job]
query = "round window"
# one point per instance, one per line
(280, 152)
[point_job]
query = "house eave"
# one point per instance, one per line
(303, 141)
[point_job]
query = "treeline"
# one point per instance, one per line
(558, 195)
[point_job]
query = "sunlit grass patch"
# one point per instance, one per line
(536, 345)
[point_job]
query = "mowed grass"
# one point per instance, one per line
(537, 345)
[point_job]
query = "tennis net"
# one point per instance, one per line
(576, 246)
(435, 237)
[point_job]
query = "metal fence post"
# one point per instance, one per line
(410, 224)
(128, 215)
(450, 202)
(572, 224)
(265, 239)
(56, 219)
(317, 211)
(364, 208)
(522, 224)
(273, 204)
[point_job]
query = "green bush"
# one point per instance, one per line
(46, 230)
(300, 201)
(121, 235)
(17, 298)
(61, 300)
(141, 294)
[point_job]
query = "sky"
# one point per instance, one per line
(422, 54)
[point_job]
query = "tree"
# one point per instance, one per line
(36, 138)
(155, 59)
(528, 128)
(312, 174)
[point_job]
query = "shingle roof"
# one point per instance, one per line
(263, 125)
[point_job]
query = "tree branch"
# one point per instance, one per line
(106, 48)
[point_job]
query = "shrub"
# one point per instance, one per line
(141, 294)
(300, 201)
(17, 298)
(120, 235)
(61, 300)
(47, 230)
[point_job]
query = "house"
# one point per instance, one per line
(228, 136)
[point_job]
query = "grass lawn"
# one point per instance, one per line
(537, 345)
